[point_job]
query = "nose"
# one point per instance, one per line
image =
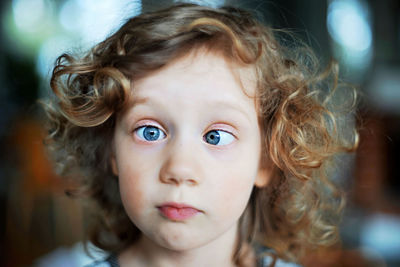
(181, 165)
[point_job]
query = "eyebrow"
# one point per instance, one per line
(231, 106)
(219, 103)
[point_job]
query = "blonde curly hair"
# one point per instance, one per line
(299, 210)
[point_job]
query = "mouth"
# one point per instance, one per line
(177, 211)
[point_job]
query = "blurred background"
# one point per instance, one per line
(39, 225)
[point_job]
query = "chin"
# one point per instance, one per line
(179, 243)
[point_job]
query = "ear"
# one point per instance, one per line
(113, 160)
(263, 177)
(114, 166)
(266, 169)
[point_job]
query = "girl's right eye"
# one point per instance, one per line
(149, 133)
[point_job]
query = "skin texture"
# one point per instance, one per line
(186, 100)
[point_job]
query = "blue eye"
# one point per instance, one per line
(150, 133)
(218, 137)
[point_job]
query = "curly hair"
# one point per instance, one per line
(302, 131)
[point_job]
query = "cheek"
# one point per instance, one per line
(234, 202)
(237, 193)
(233, 193)
(237, 183)
(135, 175)
(132, 193)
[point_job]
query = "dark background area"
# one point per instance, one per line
(37, 220)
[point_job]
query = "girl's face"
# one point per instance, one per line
(187, 152)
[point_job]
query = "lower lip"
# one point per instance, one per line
(178, 214)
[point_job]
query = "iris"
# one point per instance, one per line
(151, 133)
(212, 137)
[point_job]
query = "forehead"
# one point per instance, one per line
(200, 69)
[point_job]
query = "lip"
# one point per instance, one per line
(177, 211)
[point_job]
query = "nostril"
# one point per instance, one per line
(191, 182)
(171, 180)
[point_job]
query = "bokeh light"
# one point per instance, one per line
(26, 24)
(349, 26)
(381, 233)
(29, 14)
(50, 50)
(43, 30)
(210, 3)
(84, 23)
(94, 20)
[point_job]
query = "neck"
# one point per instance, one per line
(145, 252)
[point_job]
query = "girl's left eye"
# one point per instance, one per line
(218, 138)
(150, 133)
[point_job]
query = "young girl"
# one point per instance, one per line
(202, 140)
